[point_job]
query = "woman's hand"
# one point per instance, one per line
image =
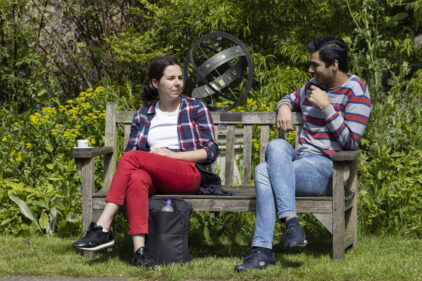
(197, 156)
(165, 152)
(284, 118)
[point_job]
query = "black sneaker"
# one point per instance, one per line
(143, 258)
(294, 237)
(256, 259)
(95, 239)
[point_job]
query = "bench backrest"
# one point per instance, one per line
(239, 135)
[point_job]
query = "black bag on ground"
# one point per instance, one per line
(168, 231)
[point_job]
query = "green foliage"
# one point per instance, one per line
(38, 176)
(113, 42)
(214, 231)
(391, 166)
(25, 77)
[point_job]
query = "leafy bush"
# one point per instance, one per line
(38, 173)
(391, 166)
(116, 41)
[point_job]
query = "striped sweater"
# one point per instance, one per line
(338, 127)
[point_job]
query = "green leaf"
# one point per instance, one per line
(53, 219)
(14, 185)
(42, 92)
(50, 166)
(54, 178)
(44, 221)
(25, 210)
(48, 146)
(400, 16)
(207, 236)
(6, 221)
(71, 217)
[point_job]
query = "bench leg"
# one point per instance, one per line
(85, 169)
(89, 255)
(351, 222)
(213, 215)
(352, 213)
(338, 213)
(86, 172)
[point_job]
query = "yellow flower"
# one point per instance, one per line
(99, 89)
(91, 141)
(19, 157)
(4, 139)
(54, 132)
(49, 110)
(35, 118)
(85, 105)
(12, 152)
(28, 145)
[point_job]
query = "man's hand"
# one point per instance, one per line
(284, 118)
(319, 98)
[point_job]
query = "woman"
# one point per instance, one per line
(170, 133)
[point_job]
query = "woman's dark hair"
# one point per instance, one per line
(330, 48)
(156, 71)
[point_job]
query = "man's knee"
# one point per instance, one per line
(261, 169)
(262, 180)
(279, 146)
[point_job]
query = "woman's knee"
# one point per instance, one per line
(128, 155)
(139, 179)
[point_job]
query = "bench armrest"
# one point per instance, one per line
(92, 152)
(348, 155)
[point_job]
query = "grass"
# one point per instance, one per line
(375, 258)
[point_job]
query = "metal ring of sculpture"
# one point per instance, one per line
(212, 77)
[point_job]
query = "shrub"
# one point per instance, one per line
(391, 165)
(38, 174)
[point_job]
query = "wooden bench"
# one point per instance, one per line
(337, 213)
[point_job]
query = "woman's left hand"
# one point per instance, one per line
(165, 152)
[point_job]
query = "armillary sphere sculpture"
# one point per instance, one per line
(219, 71)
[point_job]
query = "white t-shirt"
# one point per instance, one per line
(163, 130)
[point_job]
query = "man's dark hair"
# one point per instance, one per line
(330, 48)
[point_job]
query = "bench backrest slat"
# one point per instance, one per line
(230, 154)
(234, 132)
(265, 138)
(247, 154)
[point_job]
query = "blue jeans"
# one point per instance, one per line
(286, 173)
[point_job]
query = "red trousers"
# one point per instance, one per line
(140, 174)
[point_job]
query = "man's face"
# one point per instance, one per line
(323, 75)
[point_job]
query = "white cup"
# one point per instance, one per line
(82, 143)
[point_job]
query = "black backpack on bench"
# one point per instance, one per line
(168, 231)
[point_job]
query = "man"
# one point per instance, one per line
(335, 107)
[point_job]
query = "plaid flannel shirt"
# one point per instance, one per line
(194, 126)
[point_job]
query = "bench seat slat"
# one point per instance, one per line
(245, 203)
